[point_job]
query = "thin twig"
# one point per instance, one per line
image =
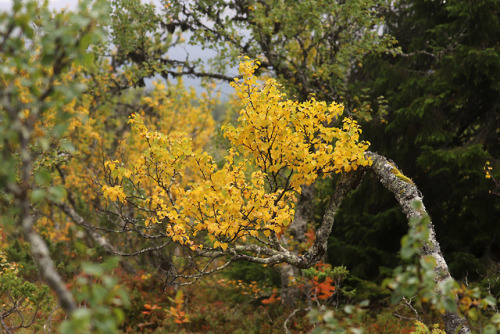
(290, 316)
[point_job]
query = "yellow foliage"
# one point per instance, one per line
(160, 166)
(283, 134)
(421, 328)
(113, 193)
(278, 145)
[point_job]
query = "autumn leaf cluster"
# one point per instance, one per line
(277, 146)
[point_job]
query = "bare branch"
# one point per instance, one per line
(348, 182)
(101, 240)
(290, 316)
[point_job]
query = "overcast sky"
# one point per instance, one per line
(178, 53)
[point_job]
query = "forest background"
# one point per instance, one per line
(87, 140)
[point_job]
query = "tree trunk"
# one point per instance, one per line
(298, 228)
(39, 250)
(406, 193)
(304, 212)
(289, 293)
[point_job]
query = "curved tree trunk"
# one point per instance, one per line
(406, 193)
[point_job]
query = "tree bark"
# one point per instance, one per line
(39, 249)
(406, 193)
(347, 183)
(298, 228)
(303, 214)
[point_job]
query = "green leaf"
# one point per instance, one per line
(88, 60)
(38, 195)
(489, 329)
(396, 297)
(57, 193)
(407, 253)
(60, 128)
(450, 305)
(416, 205)
(364, 303)
(495, 318)
(428, 263)
(42, 178)
(111, 263)
(414, 221)
(119, 315)
(68, 147)
(409, 290)
(473, 315)
(490, 301)
(79, 321)
(349, 309)
(93, 269)
(109, 282)
(85, 42)
(44, 143)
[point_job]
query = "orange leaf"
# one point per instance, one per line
(325, 289)
(270, 300)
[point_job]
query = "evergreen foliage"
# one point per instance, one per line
(442, 126)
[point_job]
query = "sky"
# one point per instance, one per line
(178, 53)
(56, 4)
